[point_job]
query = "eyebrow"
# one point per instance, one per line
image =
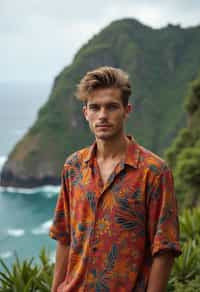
(104, 104)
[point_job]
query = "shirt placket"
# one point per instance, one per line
(101, 190)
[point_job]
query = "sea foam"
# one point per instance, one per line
(16, 232)
(48, 191)
(42, 228)
(6, 254)
(2, 160)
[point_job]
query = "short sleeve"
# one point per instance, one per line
(163, 224)
(59, 230)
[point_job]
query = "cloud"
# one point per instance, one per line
(38, 38)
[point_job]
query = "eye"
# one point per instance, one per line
(94, 107)
(112, 106)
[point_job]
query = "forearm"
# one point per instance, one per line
(60, 266)
(160, 272)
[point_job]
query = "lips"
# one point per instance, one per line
(103, 126)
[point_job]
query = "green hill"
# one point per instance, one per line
(160, 62)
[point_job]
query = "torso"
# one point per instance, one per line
(109, 226)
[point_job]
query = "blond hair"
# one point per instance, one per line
(104, 77)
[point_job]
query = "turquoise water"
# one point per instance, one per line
(25, 219)
(25, 214)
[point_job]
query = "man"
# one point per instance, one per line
(115, 221)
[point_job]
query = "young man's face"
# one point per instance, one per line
(106, 113)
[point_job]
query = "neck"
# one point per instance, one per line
(113, 148)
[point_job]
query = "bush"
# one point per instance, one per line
(190, 224)
(25, 276)
(186, 269)
(187, 266)
(190, 286)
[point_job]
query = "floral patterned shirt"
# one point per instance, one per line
(114, 230)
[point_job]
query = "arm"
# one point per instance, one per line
(163, 230)
(60, 265)
(160, 271)
(60, 231)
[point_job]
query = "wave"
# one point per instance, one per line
(16, 232)
(48, 191)
(42, 228)
(6, 254)
(2, 161)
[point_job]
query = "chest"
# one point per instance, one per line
(106, 169)
(112, 182)
(120, 199)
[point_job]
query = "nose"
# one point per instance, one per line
(102, 113)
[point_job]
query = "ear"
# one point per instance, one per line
(84, 109)
(129, 109)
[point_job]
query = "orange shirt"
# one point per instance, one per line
(114, 230)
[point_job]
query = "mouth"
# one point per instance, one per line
(103, 126)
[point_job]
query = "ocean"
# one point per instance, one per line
(25, 214)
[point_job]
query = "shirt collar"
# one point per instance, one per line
(131, 157)
(91, 153)
(132, 153)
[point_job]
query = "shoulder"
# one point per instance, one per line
(152, 162)
(76, 158)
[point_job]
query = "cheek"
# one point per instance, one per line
(119, 119)
(91, 119)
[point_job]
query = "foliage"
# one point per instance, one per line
(186, 269)
(190, 224)
(193, 99)
(188, 173)
(25, 276)
(184, 153)
(188, 265)
(183, 139)
(189, 286)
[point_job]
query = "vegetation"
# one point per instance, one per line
(186, 270)
(25, 276)
(184, 153)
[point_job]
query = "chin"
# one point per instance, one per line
(104, 136)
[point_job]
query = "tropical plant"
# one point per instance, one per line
(190, 286)
(26, 276)
(186, 269)
(190, 224)
(187, 266)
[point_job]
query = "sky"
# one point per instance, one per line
(39, 38)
